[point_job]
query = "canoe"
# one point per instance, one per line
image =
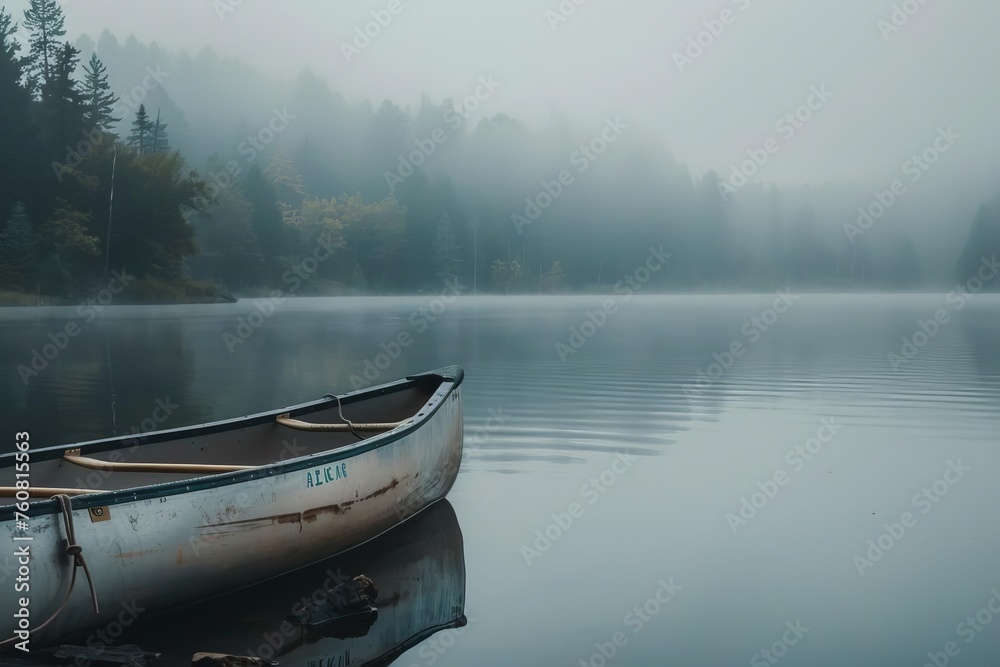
(190, 513)
(418, 568)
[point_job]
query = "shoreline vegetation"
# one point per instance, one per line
(309, 194)
(10, 299)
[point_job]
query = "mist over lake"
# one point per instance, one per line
(761, 489)
(543, 332)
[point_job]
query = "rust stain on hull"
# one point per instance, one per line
(308, 516)
(311, 515)
(250, 524)
(381, 492)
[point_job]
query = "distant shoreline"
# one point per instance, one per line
(10, 300)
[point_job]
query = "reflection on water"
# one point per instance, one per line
(418, 569)
(656, 383)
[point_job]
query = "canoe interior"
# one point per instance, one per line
(252, 442)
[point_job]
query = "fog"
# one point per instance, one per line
(799, 116)
(617, 58)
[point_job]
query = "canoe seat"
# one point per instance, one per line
(73, 456)
(347, 427)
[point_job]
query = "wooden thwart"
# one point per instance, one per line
(73, 456)
(286, 420)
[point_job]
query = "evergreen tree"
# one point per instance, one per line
(266, 217)
(230, 253)
(15, 110)
(98, 99)
(142, 131)
(983, 243)
(12, 66)
(63, 101)
(159, 142)
(151, 235)
(46, 25)
(17, 250)
(447, 251)
(65, 248)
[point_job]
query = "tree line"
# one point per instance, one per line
(400, 199)
(79, 201)
(58, 156)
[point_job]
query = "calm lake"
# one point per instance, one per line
(668, 480)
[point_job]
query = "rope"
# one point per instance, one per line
(340, 411)
(76, 552)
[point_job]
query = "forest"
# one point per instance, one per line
(207, 180)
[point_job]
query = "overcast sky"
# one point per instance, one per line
(617, 58)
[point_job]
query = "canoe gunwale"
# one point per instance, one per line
(452, 375)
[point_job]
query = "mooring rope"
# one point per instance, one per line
(76, 552)
(340, 411)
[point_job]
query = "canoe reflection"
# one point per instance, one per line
(419, 572)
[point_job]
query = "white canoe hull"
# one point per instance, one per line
(418, 568)
(158, 552)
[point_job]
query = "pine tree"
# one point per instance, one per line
(17, 249)
(159, 142)
(98, 99)
(447, 251)
(266, 218)
(983, 242)
(142, 131)
(63, 100)
(11, 65)
(45, 23)
(15, 112)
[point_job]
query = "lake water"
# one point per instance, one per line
(695, 481)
